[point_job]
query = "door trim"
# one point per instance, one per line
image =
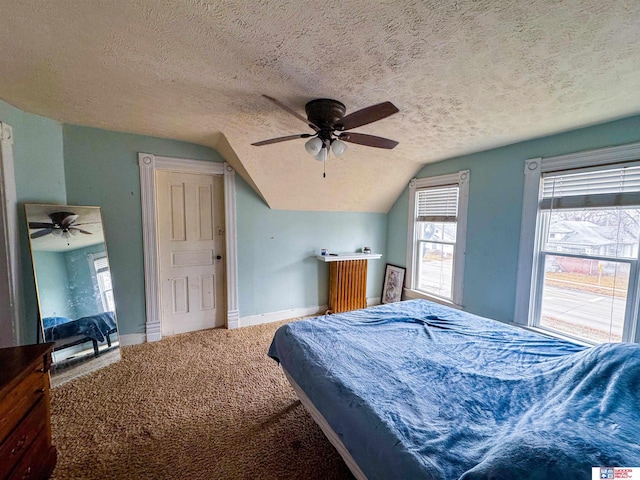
(11, 280)
(149, 164)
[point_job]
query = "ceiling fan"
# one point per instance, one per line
(62, 223)
(327, 118)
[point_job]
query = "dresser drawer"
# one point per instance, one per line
(38, 463)
(20, 400)
(19, 441)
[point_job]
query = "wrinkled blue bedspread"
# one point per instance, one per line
(418, 390)
(95, 327)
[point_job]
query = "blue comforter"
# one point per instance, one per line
(95, 327)
(418, 390)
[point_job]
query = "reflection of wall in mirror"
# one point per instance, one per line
(66, 285)
(53, 285)
(82, 284)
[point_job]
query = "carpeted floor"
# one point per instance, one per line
(203, 405)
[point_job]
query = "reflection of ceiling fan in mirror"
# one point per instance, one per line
(62, 223)
(328, 120)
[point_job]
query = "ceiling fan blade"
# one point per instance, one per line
(282, 139)
(74, 224)
(367, 115)
(80, 230)
(368, 140)
(69, 220)
(40, 225)
(291, 111)
(42, 233)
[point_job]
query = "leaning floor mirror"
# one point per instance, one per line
(73, 284)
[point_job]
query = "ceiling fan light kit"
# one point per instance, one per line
(338, 147)
(313, 146)
(327, 118)
(322, 154)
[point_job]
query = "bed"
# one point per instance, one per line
(417, 390)
(67, 333)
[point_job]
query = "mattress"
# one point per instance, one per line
(418, 390)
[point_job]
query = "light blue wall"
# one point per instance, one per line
(495, 210)
(397, 231)
(38, 156)
(53, 285)
(275, 248)
(101, 168)
(83, 293)
(277, 268)
(65, 284)
(39, 171)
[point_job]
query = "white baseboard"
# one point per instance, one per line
(281, 315)
(291, 313)
(136, 338)
(373, 301)
(131, 339)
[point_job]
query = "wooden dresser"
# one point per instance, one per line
(25, 418)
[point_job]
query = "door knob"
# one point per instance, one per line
(218, 257)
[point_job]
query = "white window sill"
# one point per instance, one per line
(553, 334)
(410, 294)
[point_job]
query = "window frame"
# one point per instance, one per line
(92, 258)
(531, 232)
(460, 178)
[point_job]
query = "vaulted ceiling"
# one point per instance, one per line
(467, 75)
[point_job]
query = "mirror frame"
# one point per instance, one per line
(81, 313)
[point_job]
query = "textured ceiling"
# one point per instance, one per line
(467, 75)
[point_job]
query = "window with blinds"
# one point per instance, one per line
(436, 227)
(437, 204)
(101, 264)
(615, 187)
(103, 278)
(587, 253)
(436, 231)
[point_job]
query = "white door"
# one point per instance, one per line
(190, 219)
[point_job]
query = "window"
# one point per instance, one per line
(437, 227)
(583, 280)
(103, 282)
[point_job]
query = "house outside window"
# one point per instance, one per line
(583, 277)
(437, 236)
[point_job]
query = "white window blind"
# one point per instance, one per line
(101, 264)
(437, 204)
(591, 189)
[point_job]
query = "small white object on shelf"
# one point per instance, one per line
(339, 257)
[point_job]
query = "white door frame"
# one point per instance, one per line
(10, 281)
(149, 163)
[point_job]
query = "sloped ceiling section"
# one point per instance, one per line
(467, 75)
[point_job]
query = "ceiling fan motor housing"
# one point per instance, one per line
(327, 119)
(325, 113)
(63, 219)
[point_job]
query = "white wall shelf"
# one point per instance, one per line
(340, 257)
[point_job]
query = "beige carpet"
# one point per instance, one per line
(203, 405)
